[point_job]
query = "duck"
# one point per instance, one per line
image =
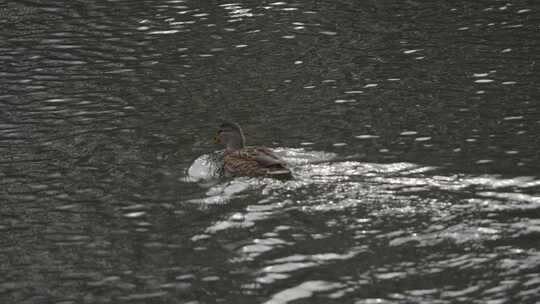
(242, 160)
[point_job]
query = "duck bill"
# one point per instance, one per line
(216, 140)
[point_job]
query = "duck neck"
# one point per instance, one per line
(236, 143)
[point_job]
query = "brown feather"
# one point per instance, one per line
(255, 161)
(239, 160)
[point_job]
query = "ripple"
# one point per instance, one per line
(262, 245)
(135, 214)
(411, 51)
(328, 33)
(366, 136)
(408, 133)
(484, 161)
(302, 291)
(344, 100)
(143, 296)
(484, 80)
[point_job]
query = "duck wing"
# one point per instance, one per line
(266, 157)
(255, 161)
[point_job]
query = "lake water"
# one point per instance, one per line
(412, 129)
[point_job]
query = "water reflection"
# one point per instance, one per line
(382, 194)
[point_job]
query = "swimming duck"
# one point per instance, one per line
(241, 160)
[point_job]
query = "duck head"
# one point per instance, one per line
(230, 135)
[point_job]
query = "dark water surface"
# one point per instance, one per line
(412, 127)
